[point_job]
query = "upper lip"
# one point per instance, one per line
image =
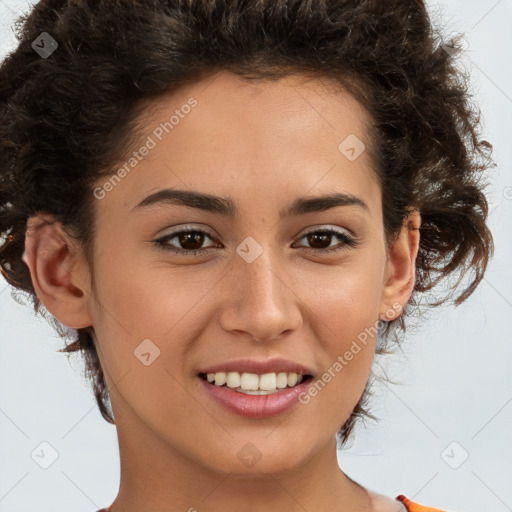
(259, 366)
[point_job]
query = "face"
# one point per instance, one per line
(186, 287)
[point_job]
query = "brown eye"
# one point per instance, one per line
(188, 241)
(191, 240)
(320, 240)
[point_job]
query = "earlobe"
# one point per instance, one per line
(401, 268)
(58, 271)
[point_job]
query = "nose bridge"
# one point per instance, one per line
(264, 304)
(258, 274)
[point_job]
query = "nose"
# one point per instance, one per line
(261, 300)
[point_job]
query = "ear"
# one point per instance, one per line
(58, 270)
(401, 268)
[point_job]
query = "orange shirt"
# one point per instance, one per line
(412, 506)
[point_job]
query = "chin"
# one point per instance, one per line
(268, 452)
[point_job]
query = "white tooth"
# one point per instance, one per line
(220, 378)
(233, 380)
(268, 381)
(249, 381)
(253, 383)
(292, 379)
(281, 380)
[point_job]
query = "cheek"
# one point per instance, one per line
(145, 326)
(150, 300)
(345, 297)
(151, 313)
(344, 311)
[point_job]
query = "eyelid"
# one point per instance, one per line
(321, 227)
(185, 227)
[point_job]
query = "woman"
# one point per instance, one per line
(171, 173)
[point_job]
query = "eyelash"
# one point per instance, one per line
(347, 240)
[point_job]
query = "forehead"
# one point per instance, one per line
(265, 135)
(264, 107)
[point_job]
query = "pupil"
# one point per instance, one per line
(197, 237)
(314, 237)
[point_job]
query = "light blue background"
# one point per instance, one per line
(454, 369)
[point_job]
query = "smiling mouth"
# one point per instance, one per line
(256, 384)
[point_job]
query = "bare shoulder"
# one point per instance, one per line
(383, 503)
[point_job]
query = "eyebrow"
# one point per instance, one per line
(227, 207)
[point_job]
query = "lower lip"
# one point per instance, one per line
(256, 406)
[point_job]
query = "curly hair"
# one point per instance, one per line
(116, 57)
